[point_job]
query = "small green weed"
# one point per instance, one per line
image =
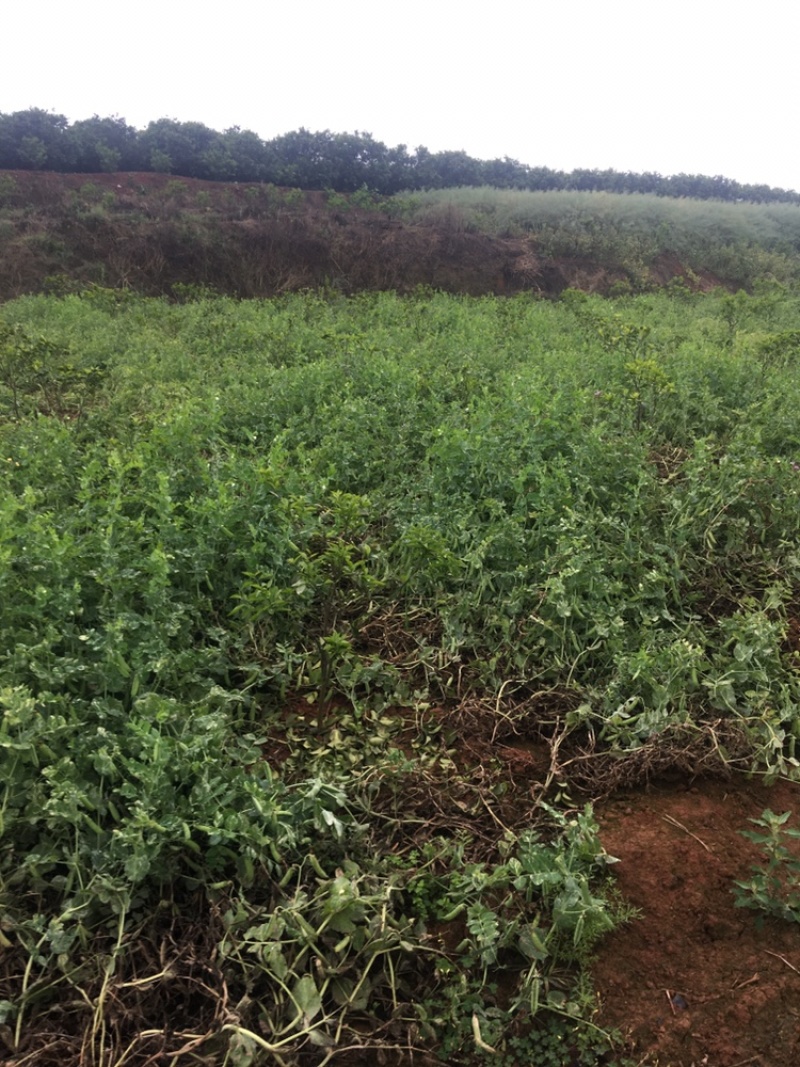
(774, 885)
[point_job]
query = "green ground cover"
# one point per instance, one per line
(266, 568)
(737, 242)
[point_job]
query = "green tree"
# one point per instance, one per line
(105, 144)
(183, 143)
(35, 139)
(255, 160)
(32, 152)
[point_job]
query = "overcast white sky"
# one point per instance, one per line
(702, 86)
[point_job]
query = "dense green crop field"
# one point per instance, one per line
(268, 567)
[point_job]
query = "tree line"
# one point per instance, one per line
(36, 139)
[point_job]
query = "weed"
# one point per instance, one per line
(774, 885)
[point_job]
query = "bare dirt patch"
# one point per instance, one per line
(696, 981)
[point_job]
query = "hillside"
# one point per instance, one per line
(393, 675)
(152, 233)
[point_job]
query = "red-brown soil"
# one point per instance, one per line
(693, 981)
(696, 982)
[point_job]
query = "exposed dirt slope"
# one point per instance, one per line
(150, 231)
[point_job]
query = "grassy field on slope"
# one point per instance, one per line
(739, 243)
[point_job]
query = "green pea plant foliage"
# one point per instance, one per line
(38, 374)
(283, 582)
